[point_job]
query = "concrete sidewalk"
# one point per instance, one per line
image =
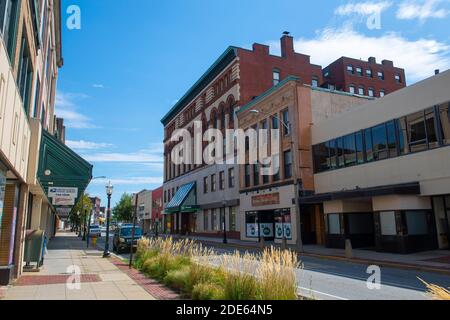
(432, 261)
(100, 278)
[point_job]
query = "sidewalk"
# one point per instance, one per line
(101, 279)
(432, 261)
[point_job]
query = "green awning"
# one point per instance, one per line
(60, 167)
(185, 200)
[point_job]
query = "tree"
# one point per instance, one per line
(83, 207)
(123, 211)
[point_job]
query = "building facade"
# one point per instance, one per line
(143, 199)
(201, 199)
(157, 210)
(234, 79)
(269, 205)
(365, 78)
(32, 159)
(382, 171)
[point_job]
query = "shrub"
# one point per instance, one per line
(152, 268)
(239, 281)
(208, 291)
(277, 274)
(436, 292)
(178, 279)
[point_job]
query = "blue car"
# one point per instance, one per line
(123, 240)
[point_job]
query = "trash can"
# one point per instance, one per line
(34, 246)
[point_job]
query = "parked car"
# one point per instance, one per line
(95, 231)
(122, 239)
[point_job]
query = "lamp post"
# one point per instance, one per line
(297, 184)
(84, 221)
(109, 191)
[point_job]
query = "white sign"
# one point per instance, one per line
(283, 228)
(252, 230)
(63, 211)
(63, 192)
(63, 201)
(266, 230)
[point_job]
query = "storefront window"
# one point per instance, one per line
(334, 224)
(214, 222)
(283, 225)
(2, 191)
(388, 224)
(205, 220)
(232, 217)
(251, 224)
(416, 222)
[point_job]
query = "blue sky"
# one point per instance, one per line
(131, 61)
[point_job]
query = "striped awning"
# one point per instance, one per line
(184, 200)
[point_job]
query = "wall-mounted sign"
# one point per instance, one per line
(283, 229)
(266, 230)
(63, 201)
(252, 230)
(63, 211)
(62, 192)
(266, 199)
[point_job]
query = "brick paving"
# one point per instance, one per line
(54, 279)
(154, 288)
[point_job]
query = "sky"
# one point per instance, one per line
(130, 62)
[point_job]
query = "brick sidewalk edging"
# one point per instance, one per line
(153, 287)
(42, 280)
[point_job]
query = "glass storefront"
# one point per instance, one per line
(2, 190)
(269, 224)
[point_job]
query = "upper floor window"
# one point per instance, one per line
(286, 123)
(213, 183)
(359, 71)
(398, 78)
(370, 92)
(255, 174)
(247, 176)
(331, 87)
(369, 73)
(382, 93)
(231, 178)
(275, 122)
(350, 69)
(380, 75)
(222, 180)
(205, 185)
(287, 160)
(276, 76)
(315, 82)
(9, 17)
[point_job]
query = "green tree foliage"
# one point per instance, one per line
(84, 207)
(124, 210)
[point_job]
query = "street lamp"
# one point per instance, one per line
(109, 191)
(297, 182)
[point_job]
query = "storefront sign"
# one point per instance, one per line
(63, 211)
(252, 230)
(266, 230)
(63, 192)
(63, 201)
(283, 229)
(266, 200)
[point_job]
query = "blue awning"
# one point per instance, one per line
(185, 200)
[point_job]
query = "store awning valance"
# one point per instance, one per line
(60, 167)
(184, 200)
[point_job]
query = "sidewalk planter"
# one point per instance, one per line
(200, 274)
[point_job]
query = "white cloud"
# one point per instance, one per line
(419, 57)
(66, 107)
(98, 86)
(129, 181)
(86, 145)
(422, 10)
(150, 157)
(362, 8)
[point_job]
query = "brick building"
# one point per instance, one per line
(198, 198)
(157, 209)
(367, 78)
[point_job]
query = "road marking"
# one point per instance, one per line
(322, 293)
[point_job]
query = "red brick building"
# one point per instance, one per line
(157, 207)
(367, 78)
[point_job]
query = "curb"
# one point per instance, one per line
(380, 263)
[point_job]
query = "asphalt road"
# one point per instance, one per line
(326, 279)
